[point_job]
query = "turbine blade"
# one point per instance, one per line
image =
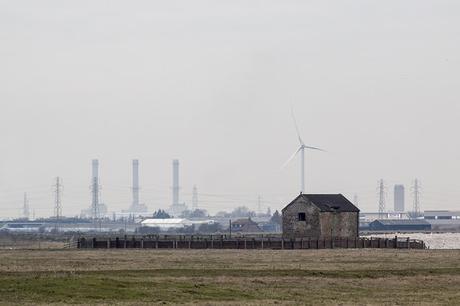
(296, 127)
(291, 158)
(314, 148)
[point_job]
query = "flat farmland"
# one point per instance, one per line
(230, 277)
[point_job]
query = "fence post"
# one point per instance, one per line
(408, 242)
(142, 242)
(262, 243)
(108, 243)
(396, 242)
(282, 243)
(245, 243)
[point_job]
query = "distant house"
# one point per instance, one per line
(320, 216)
(400, 225)
(245, 226)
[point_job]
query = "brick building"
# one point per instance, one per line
(320, 216)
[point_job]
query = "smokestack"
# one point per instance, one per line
(135, 184)
(95, 189)
(175, 182)
(399, 198)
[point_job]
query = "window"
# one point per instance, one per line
(302, 217)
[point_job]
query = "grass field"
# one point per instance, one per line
(234, 277)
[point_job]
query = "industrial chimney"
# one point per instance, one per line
(135, 204)
(175, 187)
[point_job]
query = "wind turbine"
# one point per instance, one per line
(300, 150)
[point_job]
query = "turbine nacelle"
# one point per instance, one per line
(301, 149)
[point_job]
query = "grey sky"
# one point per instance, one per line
(376, 83)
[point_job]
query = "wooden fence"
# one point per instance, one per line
(190, 242)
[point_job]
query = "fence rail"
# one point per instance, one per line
(190, 242)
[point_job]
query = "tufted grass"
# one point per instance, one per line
(142, 277)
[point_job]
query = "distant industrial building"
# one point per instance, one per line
(173, 223)
(400, 225)
(441, 215)
(443, 220)
(372, 216)
(23, 227)
(320, 216)
(399, 197)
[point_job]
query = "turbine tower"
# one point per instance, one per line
(300, 150)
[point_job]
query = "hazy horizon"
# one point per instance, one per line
(211, 83)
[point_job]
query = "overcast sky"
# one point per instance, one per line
(375, 83)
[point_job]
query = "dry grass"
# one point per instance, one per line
(15, 242)
(230, 277)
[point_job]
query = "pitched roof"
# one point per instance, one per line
(243, 221)
(328, 202)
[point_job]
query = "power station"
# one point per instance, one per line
(176, 208)
(399, 198)
(136, 207)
